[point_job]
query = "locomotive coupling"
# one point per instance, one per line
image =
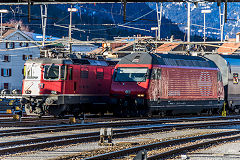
(23, 101)
(113, 101)
(139, 101)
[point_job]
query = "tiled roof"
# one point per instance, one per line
(228, 48)
(122, 47)
(167, 47)
(97, 51)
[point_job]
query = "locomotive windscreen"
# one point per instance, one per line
(124, 74)
(51, 72)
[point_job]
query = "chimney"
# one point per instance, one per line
(172, 38)
(238, 37)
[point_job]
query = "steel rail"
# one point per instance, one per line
(34, 130)
(36, 2)
(168, 143)
(92, 136)
(191, 147)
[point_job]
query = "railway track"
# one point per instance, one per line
(35, 130)
(12, 147)
(177, 145)
(46, 121)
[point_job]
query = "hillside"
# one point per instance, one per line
(100, 20)
(177, 13)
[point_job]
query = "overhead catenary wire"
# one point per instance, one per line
(123, 25)
(38, 43)
(75, 24)
(116, 25)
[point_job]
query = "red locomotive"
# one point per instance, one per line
(166, 84)
(60, 86)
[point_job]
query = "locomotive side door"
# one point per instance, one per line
(155, 84)
(67, 76)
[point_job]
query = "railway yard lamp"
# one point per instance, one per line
(2, 11)
(204, 19)
(70, 27)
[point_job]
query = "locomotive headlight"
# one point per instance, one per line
(140, 95)
(41, 85)
(28, 92)
(53, 92)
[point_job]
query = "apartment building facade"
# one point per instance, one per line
(13, 56)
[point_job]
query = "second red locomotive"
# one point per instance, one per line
(166, 84)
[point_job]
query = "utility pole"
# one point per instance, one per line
(70, 28)
(44, 23)
(189, 23)
(222, 19)
(159, 19)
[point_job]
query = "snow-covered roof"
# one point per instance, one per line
(38, 37)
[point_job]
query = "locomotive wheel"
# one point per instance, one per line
(61, 115)
(76, 115)
(150, 114)
(162, 114)
(121, 111)
(210, 113)
(33, 110)
(142, 113)
(58, 110)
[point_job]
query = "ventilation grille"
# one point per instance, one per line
(194, 83)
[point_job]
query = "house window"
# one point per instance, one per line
(10, 45)
(6, 72)
(26, 57)
(84, 73)
(99, 73)
(23, 44)
(6, 58)
(5, 85)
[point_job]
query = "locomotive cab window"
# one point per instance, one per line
(51, 72)
(124, 74)
(63, 72)
(70, 73)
